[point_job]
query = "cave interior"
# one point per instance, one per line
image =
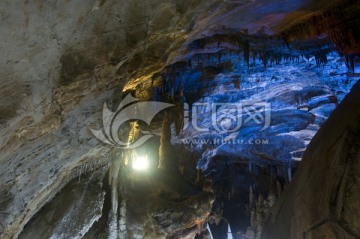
(180, 119)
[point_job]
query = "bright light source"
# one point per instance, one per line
(140, 163)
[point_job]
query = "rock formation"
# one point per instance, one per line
(323, 199)
(62, 61)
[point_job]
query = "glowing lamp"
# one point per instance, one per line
(140, 163)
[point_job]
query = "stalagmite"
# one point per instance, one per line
(113, 216)
(251, 196)
(229, 234)
(289, 173)
(198, 179)
(166, 153)
(278, 188)
(122, 220)
(209, 230)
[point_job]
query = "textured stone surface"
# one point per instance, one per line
(58, 65)
(300, 97)
(322, 200)
(82, 199)
(61, 60)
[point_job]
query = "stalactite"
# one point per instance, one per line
(246, 49)
(165, 154)
(190, 64)
(321, 58)
(254, 57)
(134, 132)
(355, 30)
(279, 59)
(173, 84)
(264, 59)
(178, 115)
(272, 61)
(250, 167)
(350, 64)
(202, 42)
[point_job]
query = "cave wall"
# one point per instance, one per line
(322, 201)
(58, 66)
